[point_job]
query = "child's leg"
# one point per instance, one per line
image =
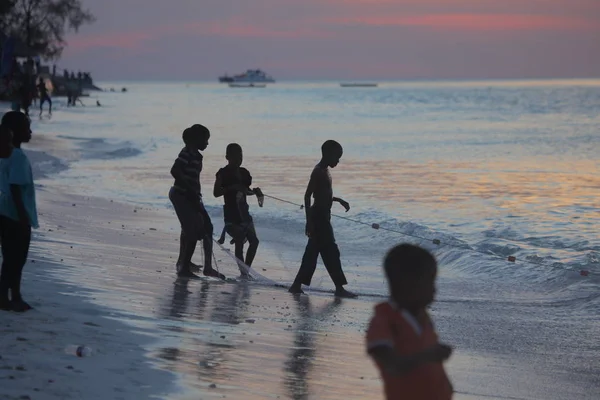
(253, 244)
(24, 240)
(189, 220)
(181, 246)
(50, 104)
(330, 254)
(308, 266)
(205, 233)
(238, 233)
(222, 238)
(182, 242)
(8, 238)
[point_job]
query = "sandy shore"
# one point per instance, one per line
(102, 274)
(34, 364)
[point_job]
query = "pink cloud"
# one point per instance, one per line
(129, 40)
(237, 27)
(234, 27)
(478, 22)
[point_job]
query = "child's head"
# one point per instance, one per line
(196, 137)
(20, 126)
(332, 152)
(234, 154)
(411, 273)
(6, 141)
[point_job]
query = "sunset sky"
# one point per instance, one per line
(339, 39)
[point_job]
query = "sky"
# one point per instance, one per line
(338, 39)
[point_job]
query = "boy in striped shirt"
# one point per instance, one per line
(186, 197)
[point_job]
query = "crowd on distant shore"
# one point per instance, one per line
(26, 83)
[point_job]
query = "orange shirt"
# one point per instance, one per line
(404, 334)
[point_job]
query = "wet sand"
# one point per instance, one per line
(246, 340)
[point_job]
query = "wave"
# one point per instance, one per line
(100, 148)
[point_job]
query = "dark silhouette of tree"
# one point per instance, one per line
(6, 7)
(42, 24)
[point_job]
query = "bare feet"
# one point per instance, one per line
(341, 292)
(187, 274)
(296, 289)
(213, 273)
(21, 306)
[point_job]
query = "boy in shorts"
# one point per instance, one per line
(186, 197)
(233, 183)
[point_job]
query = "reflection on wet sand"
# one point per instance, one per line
(248, 341)
(300, 359)
(227, 307)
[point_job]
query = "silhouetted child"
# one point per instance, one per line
(186, 196)
(401, 338)
(233, 183)
(18, 213)
(44, 96)
(321, 239)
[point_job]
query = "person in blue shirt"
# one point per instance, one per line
(18, 213)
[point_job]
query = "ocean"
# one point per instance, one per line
(476, 171)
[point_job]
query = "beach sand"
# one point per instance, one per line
(102, 274)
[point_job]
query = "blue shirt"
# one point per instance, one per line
(16, 170)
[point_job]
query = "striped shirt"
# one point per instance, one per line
(191, 161)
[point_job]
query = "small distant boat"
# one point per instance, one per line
(251, 75)
(358, 84)
(247, 85)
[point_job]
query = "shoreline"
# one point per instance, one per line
(241, 340)
(212, 334)
(33, 361)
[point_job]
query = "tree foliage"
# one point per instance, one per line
(6, 7)
(42, 24)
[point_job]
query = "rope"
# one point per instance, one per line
(438, 242)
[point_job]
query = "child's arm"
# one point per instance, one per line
(397, 364)
(19, 174)
(179, 175)
(310, 190)
(15, 191)
(343, 202)
(219, 190)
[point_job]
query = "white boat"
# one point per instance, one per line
(247, 85)
(254, 76)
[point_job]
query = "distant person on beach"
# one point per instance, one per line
(321, 239)
(186, 196)
(25, 94)
(18, 213)
(44, 96)
(401, 338)
(233, 183)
